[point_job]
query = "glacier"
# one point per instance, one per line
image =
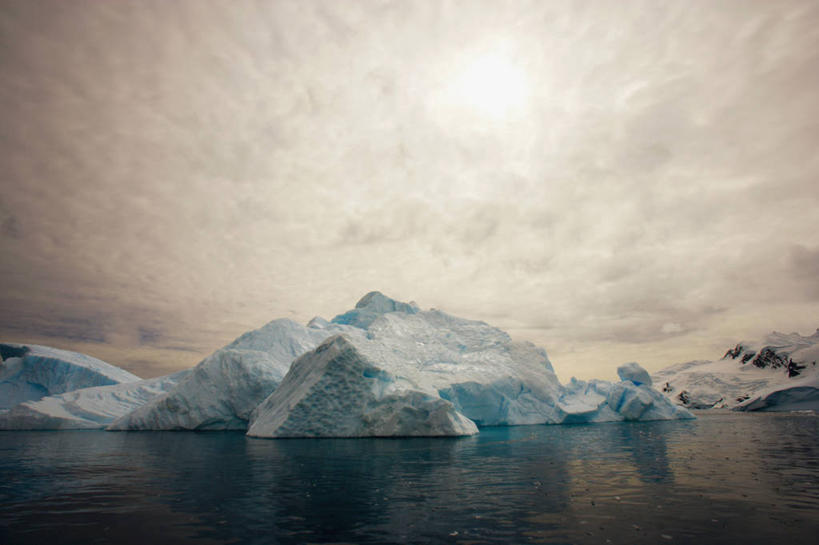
(776, 372)
(384, 368)
(29, 372)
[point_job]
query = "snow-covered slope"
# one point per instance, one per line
(87, 408)
(747, 374)
(416, 372)
(31, 372)
(225, 387)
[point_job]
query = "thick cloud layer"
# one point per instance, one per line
(177, 173)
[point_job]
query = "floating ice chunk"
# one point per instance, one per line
(635, 373)
(603, 401)
(370, 307)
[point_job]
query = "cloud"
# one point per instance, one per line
(654, 187)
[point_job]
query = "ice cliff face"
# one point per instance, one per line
(31, 372)
(336, 391)
(776, 373)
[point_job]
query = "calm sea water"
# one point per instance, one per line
(725, 478)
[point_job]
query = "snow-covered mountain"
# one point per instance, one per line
(31, 372)
(778, 372)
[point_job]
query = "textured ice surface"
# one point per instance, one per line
(407, 365)
(635, 373)
(221, 392)
(749, 371)
(336, 391)
(88, 408)
(30, 372)
(370, 307)
(604, 401)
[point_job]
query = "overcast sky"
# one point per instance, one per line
(614, 181)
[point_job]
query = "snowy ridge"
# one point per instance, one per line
(753, 375)
(31, 372)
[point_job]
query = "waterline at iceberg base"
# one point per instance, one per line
(382, 369)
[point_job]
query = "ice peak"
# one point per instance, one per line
(634, 372)
(370, 307)
(378, 302)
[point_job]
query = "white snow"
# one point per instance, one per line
(747, 376)
(30, 372)
(800, 394)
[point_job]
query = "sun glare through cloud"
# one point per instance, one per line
(493, 85)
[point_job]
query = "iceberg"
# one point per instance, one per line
(382, 369)
(753, 375)
(224, 388)
(413, 372)
(31, 372)
(598, 401)
(87, 408)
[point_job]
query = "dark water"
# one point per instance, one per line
(725, 478)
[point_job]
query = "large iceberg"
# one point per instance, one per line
(413, 372)
(384, 368)
(31, 372)
(753, 375)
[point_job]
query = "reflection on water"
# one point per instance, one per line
(725, 478)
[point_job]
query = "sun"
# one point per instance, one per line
(493, 85)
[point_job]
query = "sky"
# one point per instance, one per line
(614, 181)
